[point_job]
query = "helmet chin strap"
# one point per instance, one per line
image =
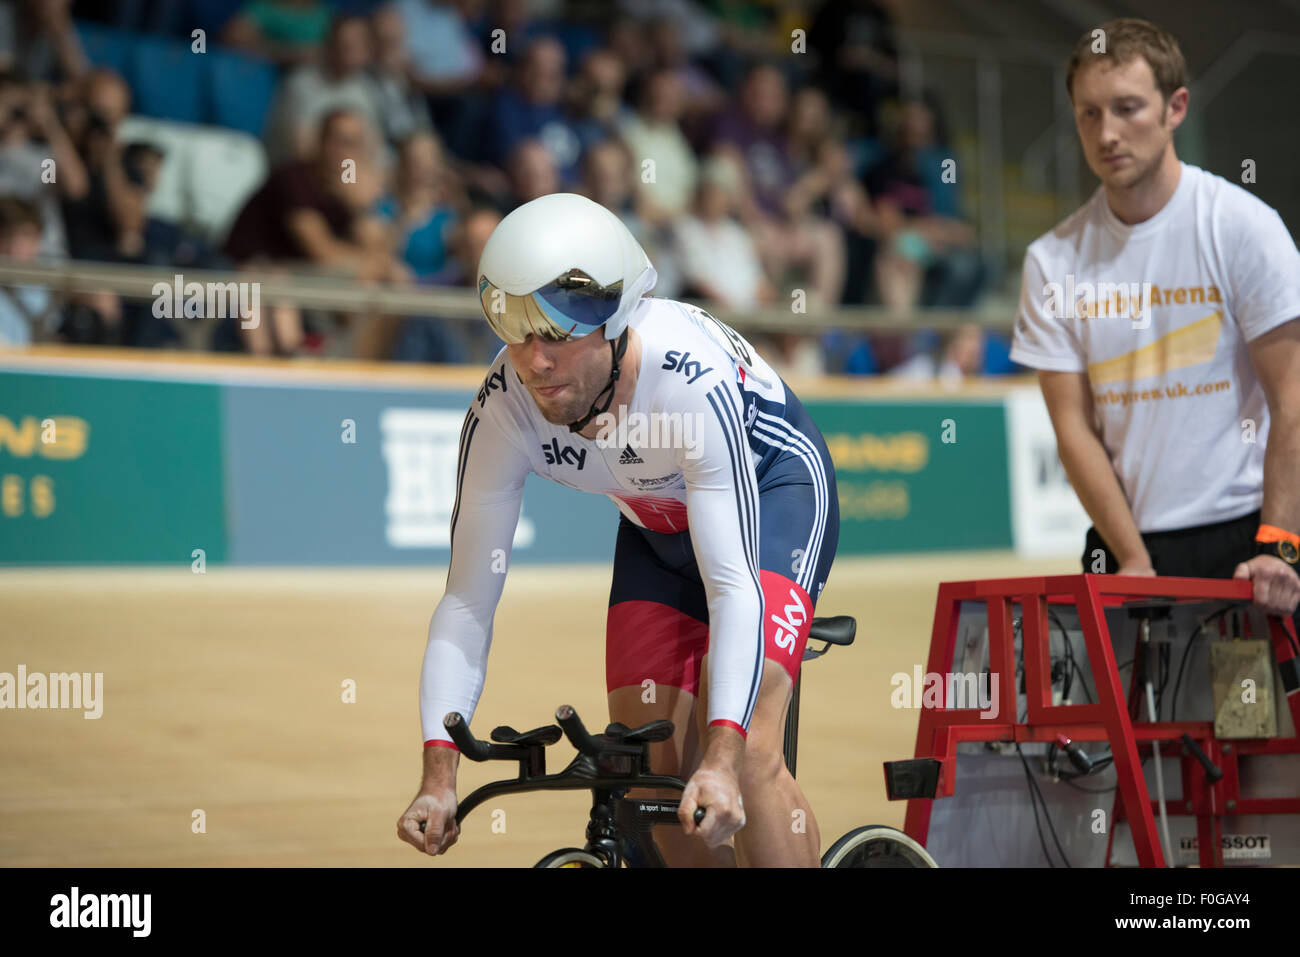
(617, 348)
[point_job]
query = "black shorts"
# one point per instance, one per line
(1204, 551)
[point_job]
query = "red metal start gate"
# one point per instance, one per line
(1209, 781)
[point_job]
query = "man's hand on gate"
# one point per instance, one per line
(1277, 587)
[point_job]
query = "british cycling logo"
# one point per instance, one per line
(75, 909)
(653, 484)
(677, 361)
(494, 381)
(564, 456)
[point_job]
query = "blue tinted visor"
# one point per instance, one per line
(568, 308)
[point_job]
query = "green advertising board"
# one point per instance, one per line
(918, 475)
(109, 470)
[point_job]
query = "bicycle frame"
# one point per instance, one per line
(619, 828)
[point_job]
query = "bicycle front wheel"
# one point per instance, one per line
(570, 857)
(875, 845)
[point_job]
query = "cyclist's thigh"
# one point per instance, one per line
(656, 634)
(798, 534)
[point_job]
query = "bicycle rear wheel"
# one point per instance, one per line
(875, 845)
(570, 857)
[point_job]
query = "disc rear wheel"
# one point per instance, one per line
(875, 845)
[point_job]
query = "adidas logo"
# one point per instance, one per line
(628, 457)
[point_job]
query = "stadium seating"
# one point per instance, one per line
(239, 90)
(105, 46)
(166, 79)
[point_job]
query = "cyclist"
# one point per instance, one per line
(729, 522)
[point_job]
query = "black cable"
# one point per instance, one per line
(1034, 807)
(1178, 682)
(1034, 790)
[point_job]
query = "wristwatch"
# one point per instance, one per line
(1279, 543)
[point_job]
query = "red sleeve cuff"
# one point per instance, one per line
(435, 743)
(729, 724)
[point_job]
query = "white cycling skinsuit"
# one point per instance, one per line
(716, 419)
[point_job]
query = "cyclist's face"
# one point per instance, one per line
(564, 378)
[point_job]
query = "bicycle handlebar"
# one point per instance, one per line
(581, 739)
(470, 746)
(531, 762)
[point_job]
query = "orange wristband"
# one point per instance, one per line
(1271, 533)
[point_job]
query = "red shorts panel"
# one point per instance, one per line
(647, 639)
(644, 639)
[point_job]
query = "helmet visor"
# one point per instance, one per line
(568, 308)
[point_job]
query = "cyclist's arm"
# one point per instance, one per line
(722, 511)
(489, 490)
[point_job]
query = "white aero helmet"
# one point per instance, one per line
(560, 267)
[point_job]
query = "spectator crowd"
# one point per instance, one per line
(397, 134)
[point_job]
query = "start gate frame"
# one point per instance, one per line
(1211, 795)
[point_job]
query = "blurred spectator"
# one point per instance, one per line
(957, 355)
(654, 133)
(857, 59)
(747, 30)
(30, 136)
(286, 32)
(699, 34)
(532, 173)
(339, 82)
(607, 178)
(532, 107)
(26, 312)
(312, 211)
(445, 340)
(932, 258)
(595, 96)
(38, 41)
(626, 37)
(756, 136)
(827, 186)
(702, 97)
(445, 57)
(402, 108)
(468, 237)
(517, 25)
(717, 256)
(419, 212)
(104, 215)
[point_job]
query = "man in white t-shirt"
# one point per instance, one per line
(1162, 320)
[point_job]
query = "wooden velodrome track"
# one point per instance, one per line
(223, 692)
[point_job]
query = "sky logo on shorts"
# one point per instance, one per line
(677, 361)
(565, 456)
(787, 628)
